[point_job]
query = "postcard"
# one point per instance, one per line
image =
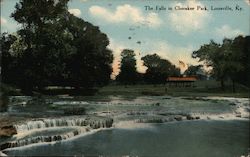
(126, 78)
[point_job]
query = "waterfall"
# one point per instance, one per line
(96, 122)
(41, 139)
(47, 123)
(81, 125)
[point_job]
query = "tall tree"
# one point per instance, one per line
(128, 73)
(211, 55)
(158, 69)
(53, 47)
(42, 33)
(90, 63)
(240, 48)
(8, 62)
(228, 60)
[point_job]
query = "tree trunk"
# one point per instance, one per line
(234, 90)
(222, 84)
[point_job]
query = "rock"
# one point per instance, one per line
(232, 104)
(238, 115)
(166, 98)
(197, 117)
(247, 109)
(75, 111)
(189, 117)
(178, 118)
(7, 131)
(156, 104)
(5, 146)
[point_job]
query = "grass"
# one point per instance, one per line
(201, 88)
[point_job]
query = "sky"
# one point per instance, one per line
(171, 33)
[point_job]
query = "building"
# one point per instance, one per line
(181, 81)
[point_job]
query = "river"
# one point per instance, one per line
(143, 126)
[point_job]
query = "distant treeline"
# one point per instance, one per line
(158, 69)
(228, 61)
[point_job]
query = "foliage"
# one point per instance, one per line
(128, 73)
(54, 47)
(196, 70)
(158, 69)
(228, 59)
(90, 64)
(192, 70)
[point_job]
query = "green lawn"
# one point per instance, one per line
(201, 88)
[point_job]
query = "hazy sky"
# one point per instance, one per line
(173, 34)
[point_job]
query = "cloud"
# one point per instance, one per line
(3, 21)
(227, 31)
(75, 12)
(248, 2)
(117, 48)
(9, 25)
(167, 51)
(173, 53)
(185, 21)
(126, 14)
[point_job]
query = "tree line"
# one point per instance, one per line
(158, 69)
(228, 61)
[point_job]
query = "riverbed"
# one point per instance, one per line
(133, 126)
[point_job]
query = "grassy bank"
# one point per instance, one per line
(200, 88)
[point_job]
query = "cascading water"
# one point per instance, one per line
(47, 123)
(79, 125)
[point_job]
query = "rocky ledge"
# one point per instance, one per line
(7, 131)
(81, 125)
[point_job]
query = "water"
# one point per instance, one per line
(56, 106)
(51, 130)
(190, 139)
(222, 131)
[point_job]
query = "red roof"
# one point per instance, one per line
(181, 78)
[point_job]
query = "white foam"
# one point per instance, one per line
(131, 125)
(2, 154)
(70, 103)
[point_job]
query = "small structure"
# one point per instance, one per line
(181, 81)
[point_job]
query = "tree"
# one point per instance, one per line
(128, 73)
(195, 70)
(42, 33)
(240, 48)
(227, 60)
(54, 47)
(90, 64)
(8, 65)
(158, 69)
(212, 56)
